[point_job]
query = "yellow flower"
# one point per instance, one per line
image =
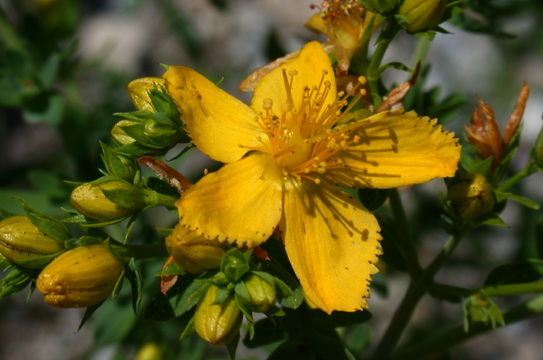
(285, 154)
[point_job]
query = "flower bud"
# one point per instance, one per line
(80, 277)
(22, 242)
(194, 253)
(119, 135)
(262, 293)
(149, 351)
(472, 198)
(217, 324)
(138, 90)
(90, 200)
(422, 15)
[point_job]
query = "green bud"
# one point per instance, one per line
(379, 6)
(119, 135)
(217, 324)
(422, 15)
(80, 277)
(23, 243)
(235, 263)
(471, 198)
(262, 294)
(118, 165)
(90, 200)
(480, 308)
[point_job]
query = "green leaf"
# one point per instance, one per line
(232, 346)
(52, 227)
(191, 296)
(500, 196)
(394, 65)
(519, 272)
(133, 275)
(88, 314)
(493, 221)
(15, 281)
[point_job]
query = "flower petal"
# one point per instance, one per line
(221, 126)
(240, 203)
(332, 243)
(308, 69)
(396, 149)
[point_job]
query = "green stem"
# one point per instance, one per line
(513, 180)
(406, 246)
(423, 45)
(513, 289)
(374, 71)
(436, 344)
(417, 288)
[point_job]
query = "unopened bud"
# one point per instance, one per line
(422, 15)
(194, 253)
(119, 135)
(23, 243)
(149, 351)
(138, 90)
(262, 293)
(80, 277)
(217, 324)
(89, 199)
(472, 198)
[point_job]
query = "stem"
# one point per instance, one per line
(423, 45)
(445, 339)
(513, 180)
(417, 288)
(513, 289)
(406, 246)
(374, 72)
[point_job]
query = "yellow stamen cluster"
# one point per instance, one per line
(306, 134)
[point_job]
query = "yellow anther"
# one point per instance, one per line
(267, 104)
(362, 80)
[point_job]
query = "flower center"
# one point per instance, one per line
(307, 131)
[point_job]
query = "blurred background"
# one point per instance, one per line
(64, 66)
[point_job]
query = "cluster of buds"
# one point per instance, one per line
(155, 127)
(80, 277)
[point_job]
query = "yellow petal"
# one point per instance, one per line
(332, 243)
(308, 69)
(397, 149)
(240, 203)
(221, 126)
